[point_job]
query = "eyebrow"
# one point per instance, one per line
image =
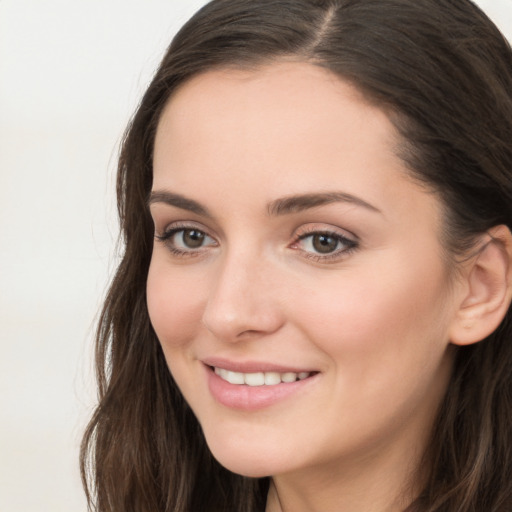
(281, 206)
(298, 203)
(179, 201)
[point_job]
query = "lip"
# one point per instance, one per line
(253, 366)
(253, 398)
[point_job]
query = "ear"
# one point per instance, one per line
(487, 290)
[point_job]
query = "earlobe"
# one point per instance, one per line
(488, 290)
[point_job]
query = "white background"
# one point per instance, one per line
(71, 74)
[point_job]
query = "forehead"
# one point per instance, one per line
(281, 87)
(285, 79)
(249, 136)
(231, 114)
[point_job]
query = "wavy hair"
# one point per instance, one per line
(443, 72)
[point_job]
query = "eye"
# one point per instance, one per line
(186, 240)
(323, 245)
(189, 238)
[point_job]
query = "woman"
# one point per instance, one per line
(312, 311)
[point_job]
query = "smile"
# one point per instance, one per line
(245, 388)
(260, 378)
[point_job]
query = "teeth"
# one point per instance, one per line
(221, 372)
(272, 378)
(259, 378)
(235, 377)
(289, 377)
(254, 379)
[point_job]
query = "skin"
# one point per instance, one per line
(373, 320)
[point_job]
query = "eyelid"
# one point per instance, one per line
(173, 228)
(177, 225)
(346, 239)
(312, 228)
(350, 241)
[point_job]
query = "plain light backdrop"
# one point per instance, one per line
(71, 74)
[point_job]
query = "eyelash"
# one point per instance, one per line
(348, 245)
(166, 238)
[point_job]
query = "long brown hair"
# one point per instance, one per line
(444, 73)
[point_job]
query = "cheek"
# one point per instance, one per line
(386, 342)
(393, 307)
(175, 305)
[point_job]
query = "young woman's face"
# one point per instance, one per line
(297, 283)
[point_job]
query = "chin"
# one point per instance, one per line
(248, 470)
(249, 461)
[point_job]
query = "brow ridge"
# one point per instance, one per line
(179, 201)
(298, 203)
(282, 206)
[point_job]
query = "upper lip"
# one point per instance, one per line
(251, 366)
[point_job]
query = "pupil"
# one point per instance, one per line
(193, 238)
(324, 243)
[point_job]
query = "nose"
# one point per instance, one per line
(243, 301)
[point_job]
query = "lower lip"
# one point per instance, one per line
(252, 398)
